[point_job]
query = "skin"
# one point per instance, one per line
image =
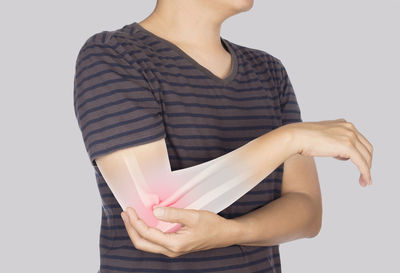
(194, 25)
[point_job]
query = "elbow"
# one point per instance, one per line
(314, 231)
(316, 223)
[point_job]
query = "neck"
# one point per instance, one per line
(187, 23)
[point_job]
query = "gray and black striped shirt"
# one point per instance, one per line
(132, 87)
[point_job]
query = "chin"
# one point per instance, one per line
(242, 5)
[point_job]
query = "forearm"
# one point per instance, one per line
(237, 172)
(290, 217)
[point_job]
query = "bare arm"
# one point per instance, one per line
(336, 138)
(140, 176)
(296, 214)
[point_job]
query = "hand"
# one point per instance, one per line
(201, 230)
(336, 138)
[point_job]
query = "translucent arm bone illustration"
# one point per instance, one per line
(141, 177)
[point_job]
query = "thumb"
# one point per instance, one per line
(174, 215)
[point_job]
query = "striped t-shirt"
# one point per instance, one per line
(133, 87)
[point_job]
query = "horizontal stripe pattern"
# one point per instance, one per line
(131, 88)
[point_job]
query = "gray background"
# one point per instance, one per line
(342, 58)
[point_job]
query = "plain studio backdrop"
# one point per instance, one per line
(342, 58)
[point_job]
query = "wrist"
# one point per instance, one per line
(233, 232)
(290, 133)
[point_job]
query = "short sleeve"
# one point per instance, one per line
(114, 104)
(290, 110)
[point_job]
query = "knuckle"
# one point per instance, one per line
(195, 216)
(348, 141)
(170, 247)
(182, 247)
(169, 254)
(138, 244)
(172, 255)
(177, 248)
(174, 248)
(351, 134)
(350, 125)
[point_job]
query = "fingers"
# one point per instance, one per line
(138, 241)
(361, 164)
(359, 160)
(361, 151)
(354, 138)
(362, 144)
(350, 125)
(167, 240)
(367, 144)
(364, 153)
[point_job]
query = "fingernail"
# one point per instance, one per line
(158, 212)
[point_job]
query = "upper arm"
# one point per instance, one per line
(114, 103)
(300, 172)
(119, 113)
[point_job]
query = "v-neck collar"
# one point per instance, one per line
(178, 50)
